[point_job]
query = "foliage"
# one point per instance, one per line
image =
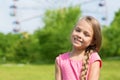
(111, 39)
(54, 38)
(25, 50)
(6, 43)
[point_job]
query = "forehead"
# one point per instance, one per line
(84, 25)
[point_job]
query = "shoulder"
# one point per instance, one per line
(61, 58)
(95, 57)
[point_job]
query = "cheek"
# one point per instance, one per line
(71, 36)
(88, 41)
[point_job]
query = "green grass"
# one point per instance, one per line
(110, 71)
(26, 72)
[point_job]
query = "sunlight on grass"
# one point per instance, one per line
(26, 72)
(110, 71)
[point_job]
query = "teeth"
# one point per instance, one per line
(76, 38)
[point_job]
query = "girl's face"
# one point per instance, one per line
(82, 35)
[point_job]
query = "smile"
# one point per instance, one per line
(78, 40)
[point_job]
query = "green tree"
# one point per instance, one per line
(25, 50)
(2, 46)
(111, 39)
(54, 38)
(6, 42)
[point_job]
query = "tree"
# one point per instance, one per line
(54, 38)
(111, 44)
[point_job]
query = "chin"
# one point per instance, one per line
(76, 46)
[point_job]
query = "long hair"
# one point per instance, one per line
(95, 46)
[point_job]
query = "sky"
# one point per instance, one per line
(30, 12)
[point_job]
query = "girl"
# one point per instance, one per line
(83, 62)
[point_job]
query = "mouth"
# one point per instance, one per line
(78, 40)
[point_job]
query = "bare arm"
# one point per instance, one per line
(94, 71)
(57, 72)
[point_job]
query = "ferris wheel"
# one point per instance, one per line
(24, 11)
(96, 8)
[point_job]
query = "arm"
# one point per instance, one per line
(57, 72)
(94, 71)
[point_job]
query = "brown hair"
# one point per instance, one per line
(95, 46)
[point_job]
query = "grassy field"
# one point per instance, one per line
(109, 71)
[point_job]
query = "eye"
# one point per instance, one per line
(77, 29)
(86, 34)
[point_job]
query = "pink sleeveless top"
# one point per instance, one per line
(71, 69)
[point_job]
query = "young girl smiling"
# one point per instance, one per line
(83, 62)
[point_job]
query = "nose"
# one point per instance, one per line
(80, 35)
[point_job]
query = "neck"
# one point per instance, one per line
(77, 52)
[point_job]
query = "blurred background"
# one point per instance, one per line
(34, 32)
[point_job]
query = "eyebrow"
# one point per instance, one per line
(77, 27)
(84, 30)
